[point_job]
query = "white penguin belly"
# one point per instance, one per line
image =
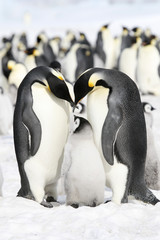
(116, 175)
(53, 116)
(85, 179)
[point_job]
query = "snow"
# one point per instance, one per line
(25, 219)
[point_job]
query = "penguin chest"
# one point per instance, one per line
(70, 63)
(96, 112)
(53, 114)
(30, 63)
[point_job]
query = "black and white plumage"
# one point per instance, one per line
(152, 167)
(116, 115)
(78, 59)
(105, 46)
(148, 65)
(85, 178)
(6, 113)
(1, 182)
(41, 126)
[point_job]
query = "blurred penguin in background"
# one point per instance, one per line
(45, 48)
(6, 113)
(128, 58)
(1, 182)
(18, 72)
(125, 41)
(85, 177)
(78, 59)
(34, 59)
(55, 45)
(148, 65)
(67, 41)
(152, 167)
(105, 46)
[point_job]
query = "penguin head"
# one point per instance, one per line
(11, 64)
(81, 125)
(147, 107)
(125, 31)
(32, 51)
(57, 85)
(87, 82)
(55, 65)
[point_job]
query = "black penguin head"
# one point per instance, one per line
(147, 107)
(87, 81)
(32, 51)
(82, 87)
(55, 65)
(80, 124)
(58, 86)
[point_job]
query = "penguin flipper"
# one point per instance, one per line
(33, 125)
(110, 129)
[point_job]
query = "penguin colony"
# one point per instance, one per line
(45, 100)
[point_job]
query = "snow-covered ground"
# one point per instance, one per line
(26, 219)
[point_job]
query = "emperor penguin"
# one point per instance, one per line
(78, 59)
(128, 59)
(44, 47)
(1, 182)
(34, 59)
(105, 46)
(152, 167)
(85, 179)
(18, 72)
(6, 113)
(115, 113)
(41, 125)
(148, 63)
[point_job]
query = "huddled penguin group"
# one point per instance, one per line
(107, 132)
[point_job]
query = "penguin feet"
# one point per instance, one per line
(50, 199)
(145, 195)
(75, 205)
(107, 201)
(46, 204)
(25, 194)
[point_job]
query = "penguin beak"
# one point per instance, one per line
(81, 88)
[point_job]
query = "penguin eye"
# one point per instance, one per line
(76, 124)
(148, 108)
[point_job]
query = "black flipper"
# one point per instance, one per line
(110, 128)
(31, 121)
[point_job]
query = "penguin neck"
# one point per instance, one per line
(97, 110)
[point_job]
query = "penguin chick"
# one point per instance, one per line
(1, 182)
(152, 167)
(85, 179)
(6, 113)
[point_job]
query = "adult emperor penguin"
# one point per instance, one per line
(41, 124)
(84, 185)
(105, 46)
(148, 65)
(116, 116)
